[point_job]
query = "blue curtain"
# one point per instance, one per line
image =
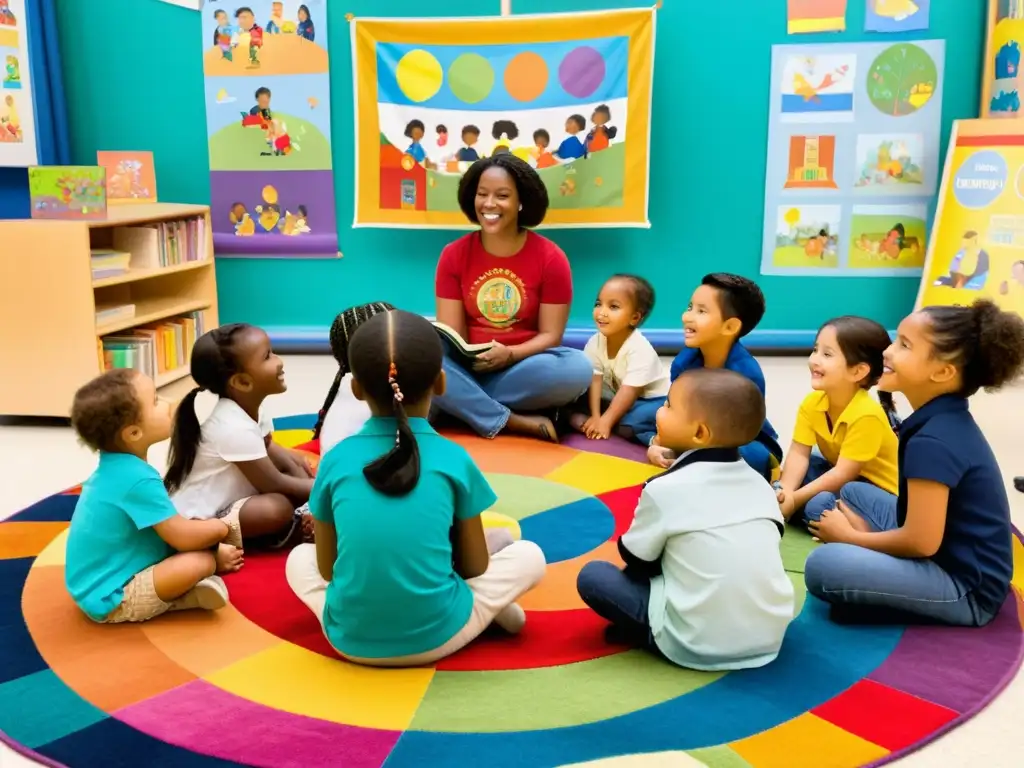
(52, 138)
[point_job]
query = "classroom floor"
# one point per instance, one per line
(36, 461)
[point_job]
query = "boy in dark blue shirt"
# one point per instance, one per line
(722, 310)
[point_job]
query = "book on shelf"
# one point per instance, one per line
(112, 313)
(461, 347)
(164, 244)
(106, 262)
(154, 348)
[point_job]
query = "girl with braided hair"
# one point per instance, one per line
(228, 467)
(342, 415)
(402, 573)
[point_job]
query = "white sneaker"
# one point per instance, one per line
(211, 593)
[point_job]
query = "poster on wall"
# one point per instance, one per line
(810, 16)
(568, 93)
(268, 116)
(1001, 80)
(897, 15)
(977, 244)
(17, 116)
(853, 158)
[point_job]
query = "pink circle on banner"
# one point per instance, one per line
(581, 71)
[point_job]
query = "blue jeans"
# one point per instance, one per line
(826, 500)
(619, 597)
(550, 379)
(873, 586)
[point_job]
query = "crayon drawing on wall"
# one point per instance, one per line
(576, 107)
(1002, 88)
(131, 177)
(17, 116)
(74, 192)
(897, 15)
(977, 244)
(268, 120)
(809, 16)
(853, 140)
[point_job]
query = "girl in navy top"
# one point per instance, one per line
(941, 551)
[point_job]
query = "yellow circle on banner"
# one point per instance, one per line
(408, 162)
(419, 75)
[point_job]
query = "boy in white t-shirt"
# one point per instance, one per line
(629, 379)
(704, 584)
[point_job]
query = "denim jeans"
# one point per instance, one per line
(889, 589)
(550, 379)
(620, 598)
(825, 500)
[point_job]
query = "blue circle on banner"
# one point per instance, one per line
(980, 180)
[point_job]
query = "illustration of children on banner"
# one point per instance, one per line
(10, 122)
(266, 38)
(12, 72)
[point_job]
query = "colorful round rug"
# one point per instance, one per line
(257, 684)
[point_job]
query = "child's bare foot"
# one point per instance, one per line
(512, 619)
(229, 558)
(857, 522)
(534, 426)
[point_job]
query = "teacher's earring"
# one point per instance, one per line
(520, 206)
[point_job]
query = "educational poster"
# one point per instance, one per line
(809, 16)
(17, 117)
(73, 192)
(268, 114)
(897, 15)
(977, 244)
(853, 142)
(1001, 82)
(568, 93)
(131, 177)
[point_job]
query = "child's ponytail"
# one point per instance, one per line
(889, 406)
(184, 442)
(397, 472)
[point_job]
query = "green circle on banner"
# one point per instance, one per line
(471, 78)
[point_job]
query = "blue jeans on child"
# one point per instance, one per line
(876, 584)
(618, 597)
(824, 500)
(551, 379)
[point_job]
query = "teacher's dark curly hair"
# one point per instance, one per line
(533, 195)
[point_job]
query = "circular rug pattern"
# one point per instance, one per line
(257, 684)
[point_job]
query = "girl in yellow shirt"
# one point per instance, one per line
(842, 434)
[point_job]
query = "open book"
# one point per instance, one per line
(460, 345)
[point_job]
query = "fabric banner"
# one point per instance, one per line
(853, 158)
(568, 93)
(977, 244)
(268, 115)
(1000, 83)
(17, 115)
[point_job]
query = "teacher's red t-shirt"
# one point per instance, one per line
(502, 294)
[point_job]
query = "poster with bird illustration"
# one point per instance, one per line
(853, 158)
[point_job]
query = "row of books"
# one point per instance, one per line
(153, 349)
(164, 244)
(106, 262)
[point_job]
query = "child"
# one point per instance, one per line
(851, 430)
(572, 147)
(400, 574)
(704, 584)
(470, 136)
(345, 416)
(223, 34)
(940, 552)
(230, 467)
(541, 155)
(630, 382)
(414, 131)
(601, 134)
(130, 556)
(722, 310)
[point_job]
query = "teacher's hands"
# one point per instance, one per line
(494, 359)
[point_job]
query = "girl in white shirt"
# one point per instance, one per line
(342, 415)
(229, 467)
(630, 383)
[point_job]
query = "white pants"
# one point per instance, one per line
(512, 572)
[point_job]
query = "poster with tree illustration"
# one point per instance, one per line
(853, 158)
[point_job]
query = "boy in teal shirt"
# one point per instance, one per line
(722, 310)
(130, 556)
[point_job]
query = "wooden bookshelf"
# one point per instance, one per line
(48, 299)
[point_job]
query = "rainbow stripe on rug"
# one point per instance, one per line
(256, 684)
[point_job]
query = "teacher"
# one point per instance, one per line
(508, 285)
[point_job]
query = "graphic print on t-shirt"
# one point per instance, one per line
(500, 293)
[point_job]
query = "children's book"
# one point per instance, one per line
(75, 192)
(131, 177)
(459, 344)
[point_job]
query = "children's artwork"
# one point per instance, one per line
(75, 192)
(807, 16)
(17, 116)
(807, 236)
(131, 177)
(434, 95)
(1001, 82)
(268, 116)
(976, 247)
(817, 89)
(859, 146)
(888, 236)
(897, 15)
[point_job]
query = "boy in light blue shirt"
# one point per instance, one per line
(130, 556)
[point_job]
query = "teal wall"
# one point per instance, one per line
(134, 78)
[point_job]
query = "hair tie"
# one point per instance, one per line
(393, 381)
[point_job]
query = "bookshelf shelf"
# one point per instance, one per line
(49, 335)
